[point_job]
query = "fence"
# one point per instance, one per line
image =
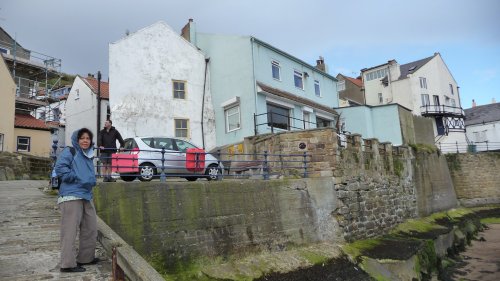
(472, 147)
(131, 164)
(274, 120)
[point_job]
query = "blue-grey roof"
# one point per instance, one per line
(482, 114)
(412, 67)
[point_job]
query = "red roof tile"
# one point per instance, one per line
(29, 122)
(356, 81)
(92, 82)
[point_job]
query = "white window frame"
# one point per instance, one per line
(307, 123)
(276, 64)
(179, 91)
(425, 100)
(423, 82)
(340, 85)
(28, 143)
(317, 88)
(186, 129)
(298, 74)
(227, 115)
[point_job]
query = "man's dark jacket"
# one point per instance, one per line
(108, 140)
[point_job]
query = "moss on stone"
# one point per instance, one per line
(490, 220)
(453, 161)
(423, 147)
(357, 248)
(398, 167)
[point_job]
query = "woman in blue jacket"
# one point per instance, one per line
(76, 170)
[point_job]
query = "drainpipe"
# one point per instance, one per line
(203, 102)
(98, 102)
(252, 41)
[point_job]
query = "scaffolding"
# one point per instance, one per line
(37, 76)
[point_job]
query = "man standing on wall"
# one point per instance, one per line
(107, 145)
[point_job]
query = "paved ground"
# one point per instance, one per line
(29, 236)
(481, 260)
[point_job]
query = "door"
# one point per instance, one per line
(181, 147)
(440, 126)
(436, 103)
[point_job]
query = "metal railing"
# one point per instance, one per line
(145, 165)
(472, 147)
(441, 110)
(272, 122)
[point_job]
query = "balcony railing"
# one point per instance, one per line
(441, 110)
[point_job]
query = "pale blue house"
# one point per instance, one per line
(257, 88)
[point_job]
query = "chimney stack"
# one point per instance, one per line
(320, 64)
(473, 103)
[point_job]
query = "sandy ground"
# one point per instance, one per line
(481, 260)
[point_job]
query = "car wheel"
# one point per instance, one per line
(191, 178)
(213, 172)
(146, 172)
(127, 178)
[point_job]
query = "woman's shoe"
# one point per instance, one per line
(73, 269)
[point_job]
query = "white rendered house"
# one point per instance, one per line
(159, 86)
(483, 126)
(426, 87)
(81, 106)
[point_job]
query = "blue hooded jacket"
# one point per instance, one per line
(77, 172)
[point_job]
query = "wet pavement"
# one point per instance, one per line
(29, 236)
(481, 260)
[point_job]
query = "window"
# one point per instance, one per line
(181, 128)
(323, 123)
(480, 136)
(423, 83)
(298, 79)
(341, 85)
(182, 146)
(108, 113)
(278, 117)
(1, 142)
(317, 89)
(307, 120)
(276, 70)
(451, 89)
(77, 92)
(57, 113)
(380, 98)
(232, 118)
(23, 144)
(425, 100)
(4, 50)
(376, 74)
(453, 103)
(179, 89)
(42, 115)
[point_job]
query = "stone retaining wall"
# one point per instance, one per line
(17, 166)
(476, 177)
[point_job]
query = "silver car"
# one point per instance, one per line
(149, 150)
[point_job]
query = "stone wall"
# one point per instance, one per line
(375, 188)
(182, 220)
(476, 177)
(17, 166)
(433, 183)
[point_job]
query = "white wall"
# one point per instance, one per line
(81, 110)
(488, 132)
(141, 69)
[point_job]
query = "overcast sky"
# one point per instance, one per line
(350, 35)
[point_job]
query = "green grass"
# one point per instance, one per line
(490, 220)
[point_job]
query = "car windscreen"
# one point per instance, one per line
(159, 143)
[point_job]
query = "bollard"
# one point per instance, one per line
(163, 177)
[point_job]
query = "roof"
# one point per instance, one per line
(92, 83)
(295, 98)
(355, 81)
(482, 114)
(413, 66)
(29, 122)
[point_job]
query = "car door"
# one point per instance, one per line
(181, 147)
(173, 158)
